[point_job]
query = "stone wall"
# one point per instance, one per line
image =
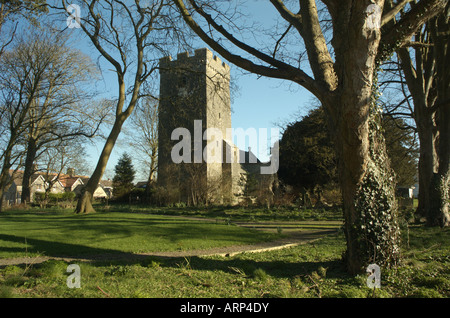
(194, 88)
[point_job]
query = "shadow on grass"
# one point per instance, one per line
(247, 267)
(104, 257)
(234, 212)
(59, 250)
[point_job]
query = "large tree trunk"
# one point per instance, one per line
(28, 170)
(428, 163)
(368, 190)
(4, 175)
(84, 204)
(1, 199)
(440, 183)
(438, 214)
(353, 156)
(3, 185)
(367, 183)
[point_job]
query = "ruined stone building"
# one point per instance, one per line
(195, 108)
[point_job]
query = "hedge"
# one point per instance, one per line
(55, 197)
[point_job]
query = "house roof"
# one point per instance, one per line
(141, 184)
(67, 181)
(106, 183)
(17, 177)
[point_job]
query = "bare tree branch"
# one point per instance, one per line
(404, 29)
(388, 16)
(284, 71)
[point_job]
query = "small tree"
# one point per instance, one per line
(123, 178)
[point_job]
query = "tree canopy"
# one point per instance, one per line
(307, 157)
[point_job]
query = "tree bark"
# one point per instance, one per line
(440, 183)
(84, 204)
(427, 164)
(150, 179)
(352, 154)
(1, 199)
(369, 204)
(28, 170)
(5, 180)
(3, 185)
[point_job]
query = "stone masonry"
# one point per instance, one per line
(193, 90)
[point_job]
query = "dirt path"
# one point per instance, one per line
(294, 237)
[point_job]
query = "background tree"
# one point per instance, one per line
(402, 150)
(123, 178)
(308, 160)
(10, 10)
(62, 108)
(417, 73)
(58, 157)
(307, 157)
(22, 72)
(440, 184)
(343, 79)
(143, 137)
(130, 37)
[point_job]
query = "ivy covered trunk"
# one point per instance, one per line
(377, 226)
(368, 189)
(367, 181)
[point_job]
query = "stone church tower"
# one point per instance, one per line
(195, 96)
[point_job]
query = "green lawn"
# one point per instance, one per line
(66, 234)
(234, 213)
(308, 271)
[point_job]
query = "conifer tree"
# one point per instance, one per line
(123, 178)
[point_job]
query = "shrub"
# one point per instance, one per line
(163, 196)
(55, 197)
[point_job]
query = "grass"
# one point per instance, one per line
(233, 213)
(28, 233)
(308, 271)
